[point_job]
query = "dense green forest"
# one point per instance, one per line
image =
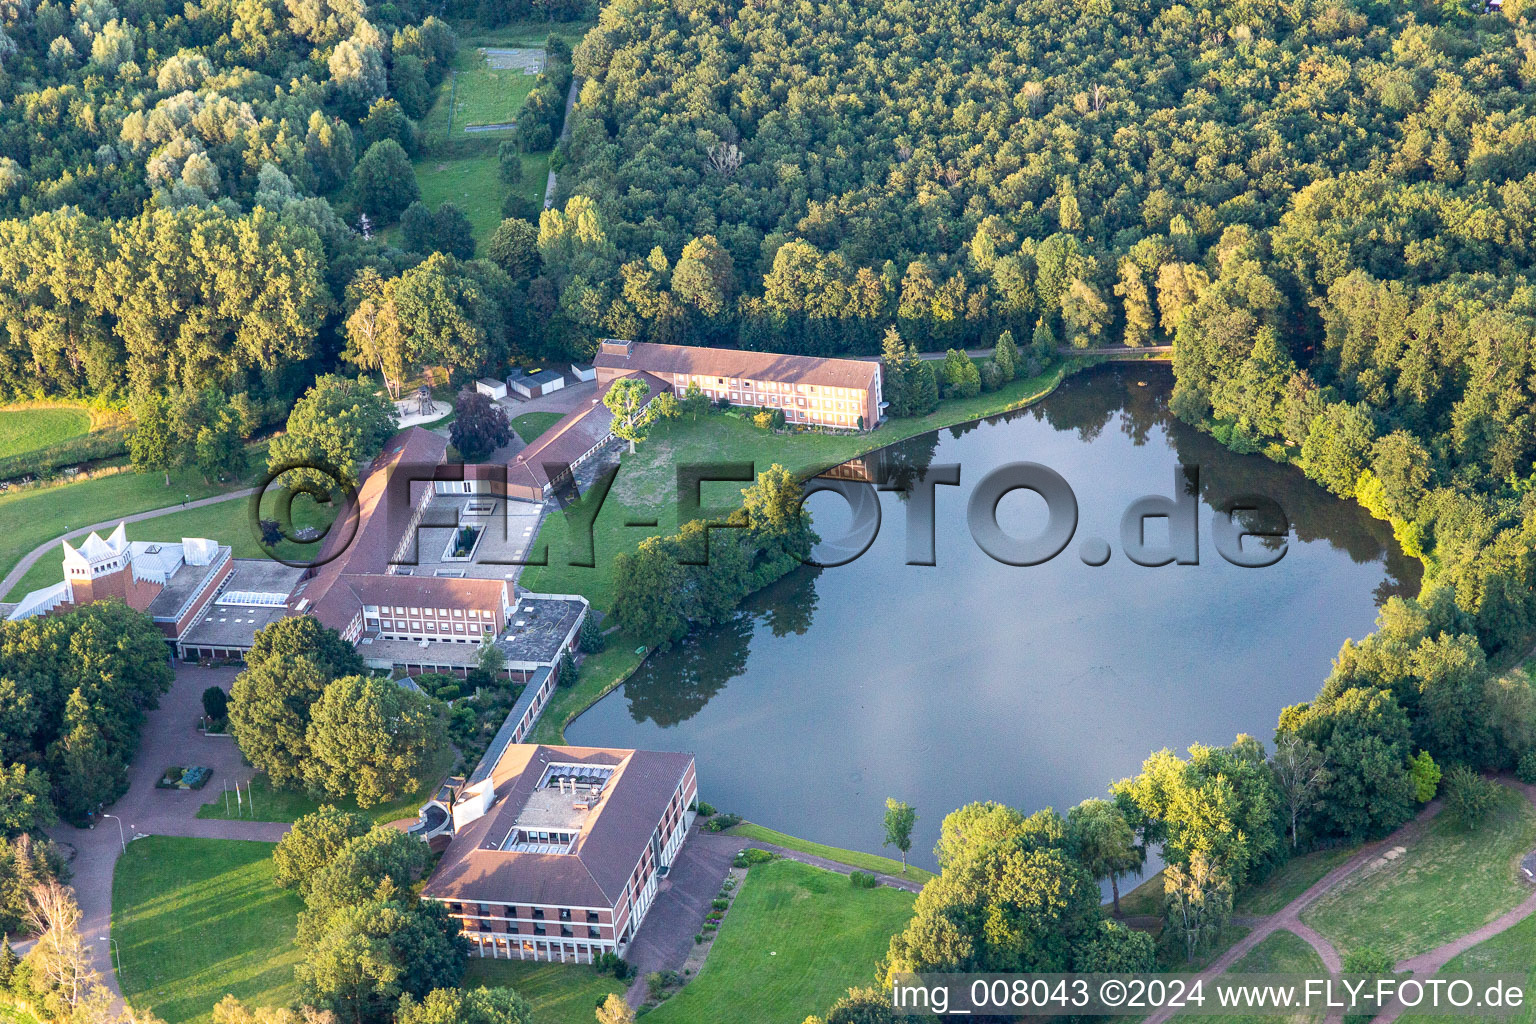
(193, 196)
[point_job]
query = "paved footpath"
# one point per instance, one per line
(1289, 918)
(1426, 965)
(170, 736)
(30, 558)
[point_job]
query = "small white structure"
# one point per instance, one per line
(537, 383)
(583, 371)
(491, 388)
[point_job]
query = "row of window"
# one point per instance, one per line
(442, 613)
(433, 627)
(537, 913)
(770, 385)
(514, 928)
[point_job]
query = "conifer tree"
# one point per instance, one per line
(894, 385)
(922, 384)
(1006, 358)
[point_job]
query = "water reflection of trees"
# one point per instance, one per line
(673, 686)
(905, 461)
(1314, 513)
(1139, 393)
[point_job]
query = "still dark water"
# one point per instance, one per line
(975, 680)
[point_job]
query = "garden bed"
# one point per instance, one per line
(192, 776)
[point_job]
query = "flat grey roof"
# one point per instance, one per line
(537, 627)
(542, 377)
(183, 585)
(264, 576)
(437, 653)
(231, 627)
(508, 527)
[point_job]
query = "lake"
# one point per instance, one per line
(974, 680)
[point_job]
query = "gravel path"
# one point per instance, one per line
(1289, 918)
(565, 132)
(30, 558)
(1428, 964)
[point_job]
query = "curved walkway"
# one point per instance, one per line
(169, 736)
(30, 558)
(1430, 963)
(1289, 919)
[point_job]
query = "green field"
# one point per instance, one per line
(470, 181)
(1447, 884)
(1293, 878)
(25, 430)
(560, 993)
(1510, 952)
(197, 919)
(530, 425)
(852, 858)
(1282, 952)
(485, 95)
(463, 168)
(646, 486)
(796, 939)
(287, 805)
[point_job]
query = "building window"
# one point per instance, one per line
(538, 929)
(565, 914)
(566, 933)
(593, 933)
(538, 913)
(592, 916)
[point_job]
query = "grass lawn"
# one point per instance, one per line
(1295, 877)
(463, 168)
(198, 919)
(469, 179)
(25, 430)
(530, 425)
(36, 515)
(853, 858)
(1448, 883)
(560, 993)
(1282, 953)
(796, 939)
(287, 805)
(1510, 952)
(1146, 900)
(483, 94)
(646, 487)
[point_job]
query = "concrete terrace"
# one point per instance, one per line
(506, 530)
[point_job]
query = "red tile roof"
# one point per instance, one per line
(475, 869)
(571, 437)
(725, 362)
(365, 535)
